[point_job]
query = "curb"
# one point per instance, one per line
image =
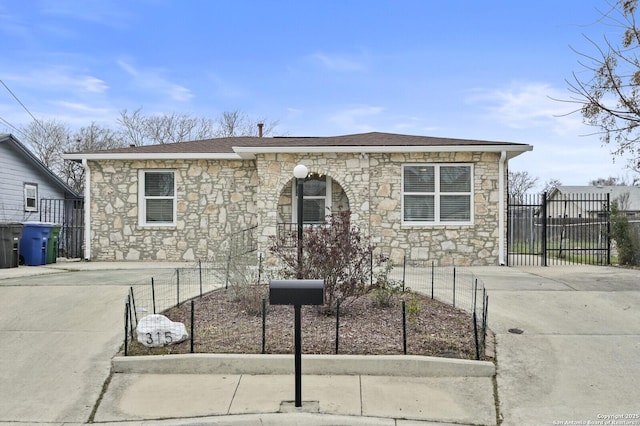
(368, 365)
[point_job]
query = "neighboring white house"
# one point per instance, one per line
(423, 198)
(587, 201)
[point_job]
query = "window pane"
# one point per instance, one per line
(160, 211)
(158, 184)
(455, 179)
(316, 187)
(419, 208)
(31, 203)
(314, 211)
(455, 208)
(419, 179)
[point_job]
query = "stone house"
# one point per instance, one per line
(425, 198)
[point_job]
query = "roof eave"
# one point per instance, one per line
(153, 156)
(248, 152)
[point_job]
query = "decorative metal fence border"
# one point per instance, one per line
(452, 285)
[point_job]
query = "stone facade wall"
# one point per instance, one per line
(475, 244)
(216, 198)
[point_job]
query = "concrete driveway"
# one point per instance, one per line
(576, 360)
(578, 356)
(59, 330)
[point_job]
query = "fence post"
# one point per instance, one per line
(126, 328)
(544, 228)
(193, 317)
(200, 271)
(371, 268)
(608, 230)
(337, 324)
(454, 286)
(404, 327)
(153, 295)
(475, 334)
(264, 325)
(133, 301)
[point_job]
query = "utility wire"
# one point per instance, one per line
(23, 105)
(12, 126)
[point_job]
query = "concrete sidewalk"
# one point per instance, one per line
(354, 399)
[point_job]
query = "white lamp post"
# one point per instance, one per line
(300, 172)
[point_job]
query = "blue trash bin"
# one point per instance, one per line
(33, 244)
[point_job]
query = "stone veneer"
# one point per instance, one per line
(217, 197)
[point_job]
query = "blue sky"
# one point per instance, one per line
(461, 69)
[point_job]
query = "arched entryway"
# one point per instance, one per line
(322, 195)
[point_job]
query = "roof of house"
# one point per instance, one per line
(616, 192)
(37, 164)
(247, 147)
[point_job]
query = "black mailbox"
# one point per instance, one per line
(296, 292)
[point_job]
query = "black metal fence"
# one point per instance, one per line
(452, 285)
(561, 228)
(69, 214)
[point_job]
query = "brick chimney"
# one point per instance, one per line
(260, 125)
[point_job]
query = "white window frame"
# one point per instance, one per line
(294, 199)
(142, 198)
(27, 188)
(437, 195)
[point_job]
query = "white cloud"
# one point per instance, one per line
(529, 105)
(357, 119)
(59, 79)
(151, 79)
(339, 63)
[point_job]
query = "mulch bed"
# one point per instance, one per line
(228, 323)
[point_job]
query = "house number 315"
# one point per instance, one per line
(158, 335)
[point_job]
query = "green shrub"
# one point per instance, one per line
(625, 236)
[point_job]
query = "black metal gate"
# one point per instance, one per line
(557, 228)
(69, 214)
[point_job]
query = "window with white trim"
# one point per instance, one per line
(317, 199)
(30, 197)
(437, 194)
(157, 197)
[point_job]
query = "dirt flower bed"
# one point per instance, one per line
(223, 324)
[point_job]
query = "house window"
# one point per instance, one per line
(437, 194)
(30, 197)
(157, 199)
(317, 199)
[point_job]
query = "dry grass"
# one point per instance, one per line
(226, 322)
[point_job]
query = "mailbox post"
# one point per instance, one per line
(297, 293)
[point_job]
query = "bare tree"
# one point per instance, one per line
(91, 138)
(550, 185)
(48, 139)
(608, 93)
(138, 129)
(132, 127)
(520, 183)
(236, 123)
(610, 181)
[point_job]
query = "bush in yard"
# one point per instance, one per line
(625, 237)
(335, 251)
